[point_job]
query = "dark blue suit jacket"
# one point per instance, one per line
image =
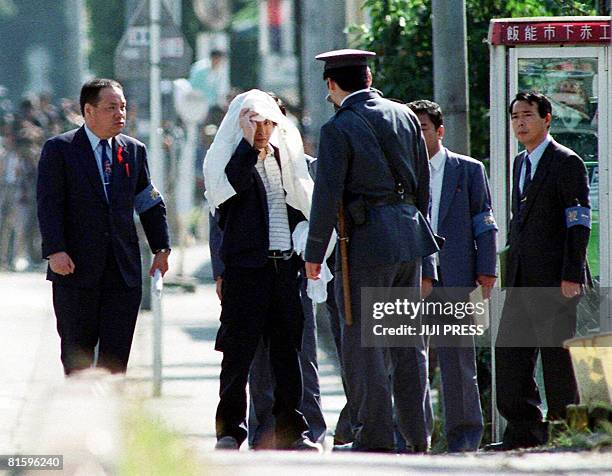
(465, 220)
(215, 237)
(75, 217)
(244, 217)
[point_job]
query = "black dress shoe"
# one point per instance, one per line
(351, 447)
(504, 446)
(341, 442)
(227, 443)
(304, 444)
(500, 446)
(343, 447)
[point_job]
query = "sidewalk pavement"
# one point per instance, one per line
(29, 354)
(190, 363)
(30, 370)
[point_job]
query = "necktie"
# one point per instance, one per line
(527, 180)
(107, 170)
(526, 184)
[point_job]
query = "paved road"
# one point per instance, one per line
(191, 365)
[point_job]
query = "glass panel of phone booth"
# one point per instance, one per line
(571, 85)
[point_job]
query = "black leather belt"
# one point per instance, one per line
(278, 254)
(390, 200)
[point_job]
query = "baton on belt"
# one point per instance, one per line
(346, 287)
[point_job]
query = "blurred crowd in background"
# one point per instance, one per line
(23, 129)
(25, 126)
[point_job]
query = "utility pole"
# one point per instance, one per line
(322, 30)
(450, 71)
(156, 162)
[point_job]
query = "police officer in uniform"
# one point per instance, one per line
(373, 161)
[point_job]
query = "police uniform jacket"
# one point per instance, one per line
(352, 163)
(548, 240)
(75, 216)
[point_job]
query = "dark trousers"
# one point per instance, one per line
(539, 320)
(344, 430)
(385, 384)
(463, 420)
(106, 313)
(261, 385)
(261, 302)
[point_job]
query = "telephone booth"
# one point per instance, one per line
(567, 59)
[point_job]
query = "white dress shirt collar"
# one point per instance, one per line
(437, 161)
(536, 154)
(354, 93)
(94, 139)
(534, 158)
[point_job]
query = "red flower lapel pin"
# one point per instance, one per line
(120, 158)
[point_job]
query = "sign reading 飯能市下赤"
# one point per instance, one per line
(553, 30)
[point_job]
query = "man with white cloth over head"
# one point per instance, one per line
(257, 178)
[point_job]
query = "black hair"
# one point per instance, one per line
(90, 92)
(432, 109)
(533, 97)
(349, 78)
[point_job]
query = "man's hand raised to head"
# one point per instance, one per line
(60, 263)
(247, 124)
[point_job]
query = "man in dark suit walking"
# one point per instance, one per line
(373, 158)
(545, 273)
(256, 176)
(461, 213)
(90, 182)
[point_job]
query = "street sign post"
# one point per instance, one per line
(152, 48)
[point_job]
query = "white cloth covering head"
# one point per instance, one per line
(296, 180)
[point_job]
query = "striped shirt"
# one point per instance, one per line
(270, 173)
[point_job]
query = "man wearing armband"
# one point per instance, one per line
(461, 213)
(545, 274)
(90, 182)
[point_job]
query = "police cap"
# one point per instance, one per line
(346, 57)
